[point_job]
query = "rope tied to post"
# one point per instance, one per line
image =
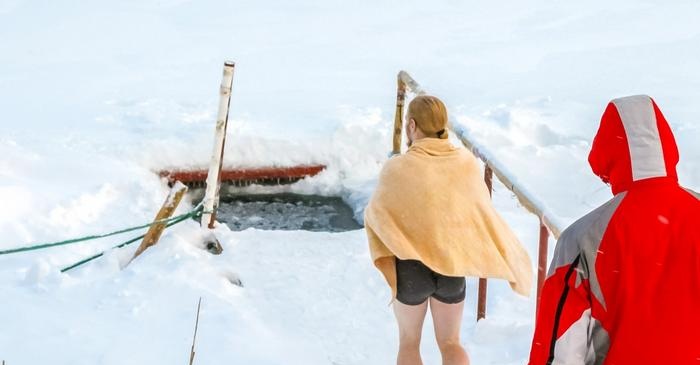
(195, 212)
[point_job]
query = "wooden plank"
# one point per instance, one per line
(166, 211)
(245, 174)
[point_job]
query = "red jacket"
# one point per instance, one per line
(624, 284)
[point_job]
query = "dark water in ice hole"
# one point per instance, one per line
(286, 212)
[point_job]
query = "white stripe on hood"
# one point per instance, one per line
(641, 128)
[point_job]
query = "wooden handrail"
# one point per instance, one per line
(528, 200)
(525, 198)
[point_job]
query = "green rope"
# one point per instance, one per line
(86, 260)
(178, 218)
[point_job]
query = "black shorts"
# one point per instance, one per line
(417, 282)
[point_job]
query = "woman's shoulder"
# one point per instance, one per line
(466, 155)
(458, 155)
(394, 164)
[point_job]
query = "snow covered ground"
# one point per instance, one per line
(94, 96)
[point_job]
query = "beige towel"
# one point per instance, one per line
(431, 205)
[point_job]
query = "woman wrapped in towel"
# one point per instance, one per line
(430, 223)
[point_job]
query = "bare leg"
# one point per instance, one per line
(447, 319)
(410, 319)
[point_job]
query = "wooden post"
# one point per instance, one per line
(481, 305)
(488, 178)
(166, 211)
(398, 116)
(211, 194)
(542, 260)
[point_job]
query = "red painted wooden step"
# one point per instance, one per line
(245, 176)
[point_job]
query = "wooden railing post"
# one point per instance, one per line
(542, 260)
(481, 305)
(398, 116)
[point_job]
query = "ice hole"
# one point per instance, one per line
(286, 211)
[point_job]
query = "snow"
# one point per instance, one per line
(307, 297)
(97, 96)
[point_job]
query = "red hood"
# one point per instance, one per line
(634, 142)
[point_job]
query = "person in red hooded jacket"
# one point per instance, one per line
(624, 284)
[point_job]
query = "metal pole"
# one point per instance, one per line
(398, 116)
(211, 195)
(542, 260)
(481, 305)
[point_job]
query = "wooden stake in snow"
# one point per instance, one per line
(211, 194)
(166, 211)
(194, 338)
